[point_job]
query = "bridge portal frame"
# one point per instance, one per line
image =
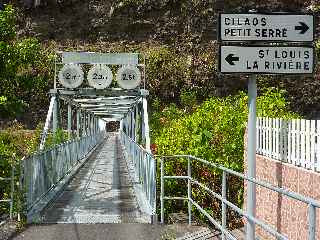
(93, 105)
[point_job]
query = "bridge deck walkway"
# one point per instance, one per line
(101, 192)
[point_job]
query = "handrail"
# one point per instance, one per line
(145, 168)
(11, 199)
(288, 193)
(43, 170)
(312, 204)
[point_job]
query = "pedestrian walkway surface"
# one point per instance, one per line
(99, 203)
(124, 231)
(101, 192)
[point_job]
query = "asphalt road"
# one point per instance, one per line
(123, 231)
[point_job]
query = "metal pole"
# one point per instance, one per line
(55, 114)
(47, 124)
(161, 191)
(312, 222)
(12, 191)
(94, 126)
(127, 125)
(78, 123)
(84, 117)
(251, 156)
(121, 125)
(146, 123)
(136, 122)
(189, 191)
(88, 124)
(91, 124)
(55, 73)
(132, 124)
(69, 120)
(224, 206)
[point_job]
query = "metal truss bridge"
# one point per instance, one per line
(100, 177)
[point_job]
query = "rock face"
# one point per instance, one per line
(188, 27)
(136, 20)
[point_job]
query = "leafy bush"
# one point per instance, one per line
(16, 142)
(167, 72)
(23, 68)
(7, 24)
(215, 132)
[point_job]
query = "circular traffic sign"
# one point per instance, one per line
(99, 77)
(71, 76)
(129, 77)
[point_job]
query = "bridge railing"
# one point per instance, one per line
(44, 170)
(222, 223)
(11, 180)
(145, 168)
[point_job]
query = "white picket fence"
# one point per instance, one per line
(294, 141)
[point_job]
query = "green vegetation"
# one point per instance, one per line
(15, 143)
(187, 116)
(23, 68)
(214, 131)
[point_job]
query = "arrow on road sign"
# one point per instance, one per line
(231, 59)
(303, 28)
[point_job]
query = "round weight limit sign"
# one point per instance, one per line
(99, 77)
(71, 76)
(129, 77)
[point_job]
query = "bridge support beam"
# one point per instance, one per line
(146, 123)
(78, 122)
(55, 115)
(88, 124)
(137, 125)
(91, 124)
(132, 124)
(121, 125)
(69, 121)
(84, 116)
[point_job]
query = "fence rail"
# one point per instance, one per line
(294, 141)
(44, 170)
(221, 224)
(11, 199)
(145, 168)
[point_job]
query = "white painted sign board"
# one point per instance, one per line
(129, 77)
(266, 60)
(100, 58)
(71, 76)
(100, 77)
(266, 27)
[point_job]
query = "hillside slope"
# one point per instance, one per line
(178, 38)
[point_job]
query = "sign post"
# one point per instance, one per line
(253, 59)
(251, 154)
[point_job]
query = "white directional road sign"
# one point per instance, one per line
(100, 77)
(268, 60)
(266, 27)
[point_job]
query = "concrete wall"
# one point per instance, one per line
(288, 216)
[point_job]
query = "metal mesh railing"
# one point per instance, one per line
(44, 170)
(9, 201)
(221, 224)
(145, 168)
